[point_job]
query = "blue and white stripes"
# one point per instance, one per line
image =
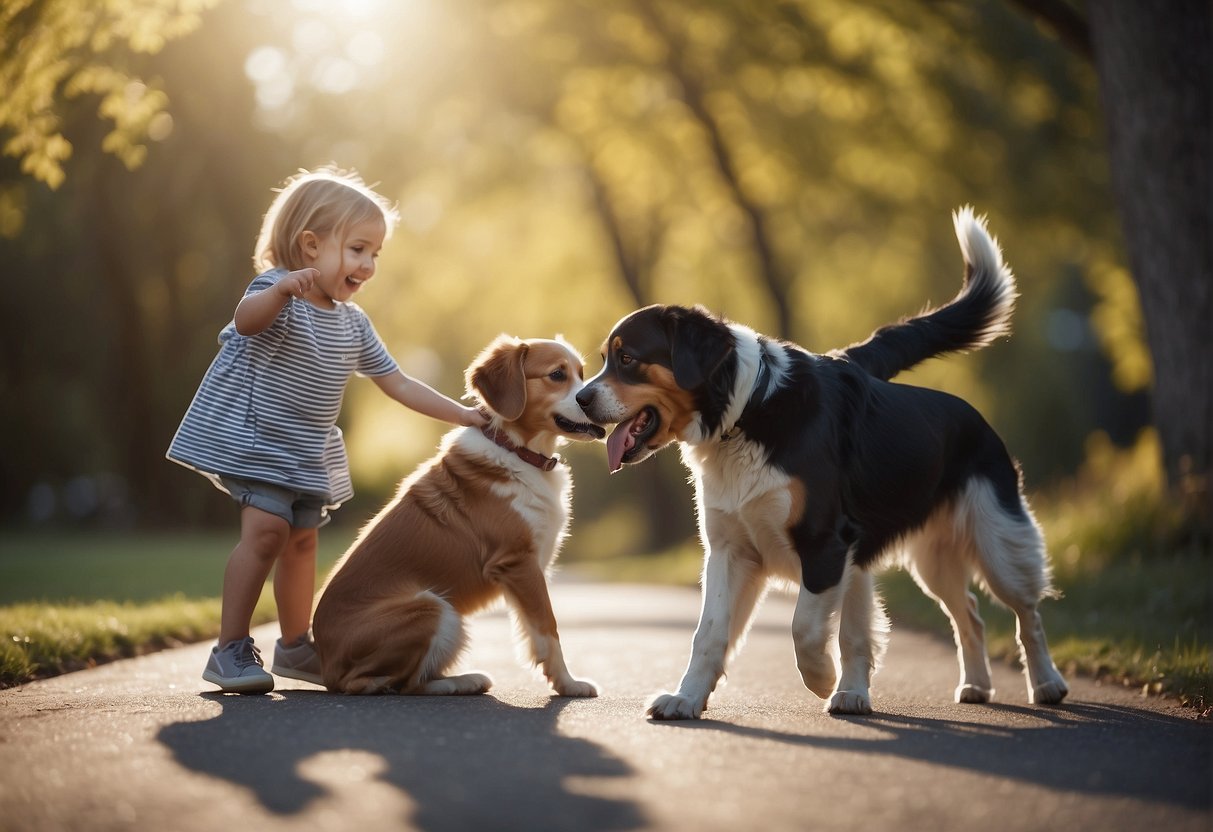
(267, 408)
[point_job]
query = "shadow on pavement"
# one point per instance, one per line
(1098, 740)
(462, 762)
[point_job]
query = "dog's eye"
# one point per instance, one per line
(557, 375)
(625, 359)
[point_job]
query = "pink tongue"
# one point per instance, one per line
(618, 443)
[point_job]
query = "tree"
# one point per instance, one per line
(557, 163)
(57, 50)
(1156, 77)
(137, 267)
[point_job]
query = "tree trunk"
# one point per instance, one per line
(1156, 82)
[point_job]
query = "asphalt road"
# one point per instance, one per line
(142, 744)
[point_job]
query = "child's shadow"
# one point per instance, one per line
(462, 762)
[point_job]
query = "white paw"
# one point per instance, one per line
(1049, 693)
(673, 706)
(576, 687)
(849, 702)
(974, 694)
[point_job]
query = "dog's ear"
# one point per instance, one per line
(699, 344)
(497, 379)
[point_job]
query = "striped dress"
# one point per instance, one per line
(267, 408)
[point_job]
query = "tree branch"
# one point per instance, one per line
(1066, 22)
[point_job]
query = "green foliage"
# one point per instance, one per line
(1116, 509)
(61, 49)
(556, 163)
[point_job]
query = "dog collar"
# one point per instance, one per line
(543, 463)
(757, 393)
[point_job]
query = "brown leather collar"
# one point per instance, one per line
(543, 463)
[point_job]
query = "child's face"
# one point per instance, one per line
(345, 261)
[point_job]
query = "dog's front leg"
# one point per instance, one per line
(526, 589)
(731, 587)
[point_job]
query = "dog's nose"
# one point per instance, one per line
(585, 397)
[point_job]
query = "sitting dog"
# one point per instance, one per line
(480, 521)
(812, 468)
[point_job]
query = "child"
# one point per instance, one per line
(262, 426)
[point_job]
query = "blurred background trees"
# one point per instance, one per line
(556, 163)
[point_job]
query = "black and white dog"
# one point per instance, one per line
(812, 468)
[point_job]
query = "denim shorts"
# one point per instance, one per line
(301, 511)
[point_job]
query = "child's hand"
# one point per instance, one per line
(297, 284)
(474, 418)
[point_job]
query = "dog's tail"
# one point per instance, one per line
(980, 313)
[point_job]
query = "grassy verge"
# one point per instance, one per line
(1141, 622)
(70, 601)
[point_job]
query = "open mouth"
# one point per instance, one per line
(627, 440)
(353, 282)
(588, 428)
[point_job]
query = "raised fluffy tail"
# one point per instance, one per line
(977, 315)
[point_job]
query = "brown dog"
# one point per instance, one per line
(482, 520)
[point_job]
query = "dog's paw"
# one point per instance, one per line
(466, 684)
(673, 706)
(849, 702)
(818, 673)
(1049, 693)
(974, 694)
(576, 687)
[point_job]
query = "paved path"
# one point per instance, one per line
(138, 744)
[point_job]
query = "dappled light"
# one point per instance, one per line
(555, 165)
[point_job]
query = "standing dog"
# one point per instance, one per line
(811, 468)
(481, 520)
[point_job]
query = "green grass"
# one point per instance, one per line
(66, 567)
(69, 601)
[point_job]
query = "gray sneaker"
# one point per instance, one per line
(299, 661)
(236, 668)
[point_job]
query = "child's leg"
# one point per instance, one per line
(295, 584)
(262, 539)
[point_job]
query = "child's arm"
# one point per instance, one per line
(256, 312)
(427, 401)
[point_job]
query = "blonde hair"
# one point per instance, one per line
(324, 201)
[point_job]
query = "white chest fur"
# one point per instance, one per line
(542, 499)
(744, 504)
(730, 474)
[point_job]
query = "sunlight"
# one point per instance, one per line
(331, 47)
(356, 10)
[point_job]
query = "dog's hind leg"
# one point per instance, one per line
(446, 646)
(939, 558)
(402, 644)
(1013, 563)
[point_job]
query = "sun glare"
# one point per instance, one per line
(334, 46)
(354, 9)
